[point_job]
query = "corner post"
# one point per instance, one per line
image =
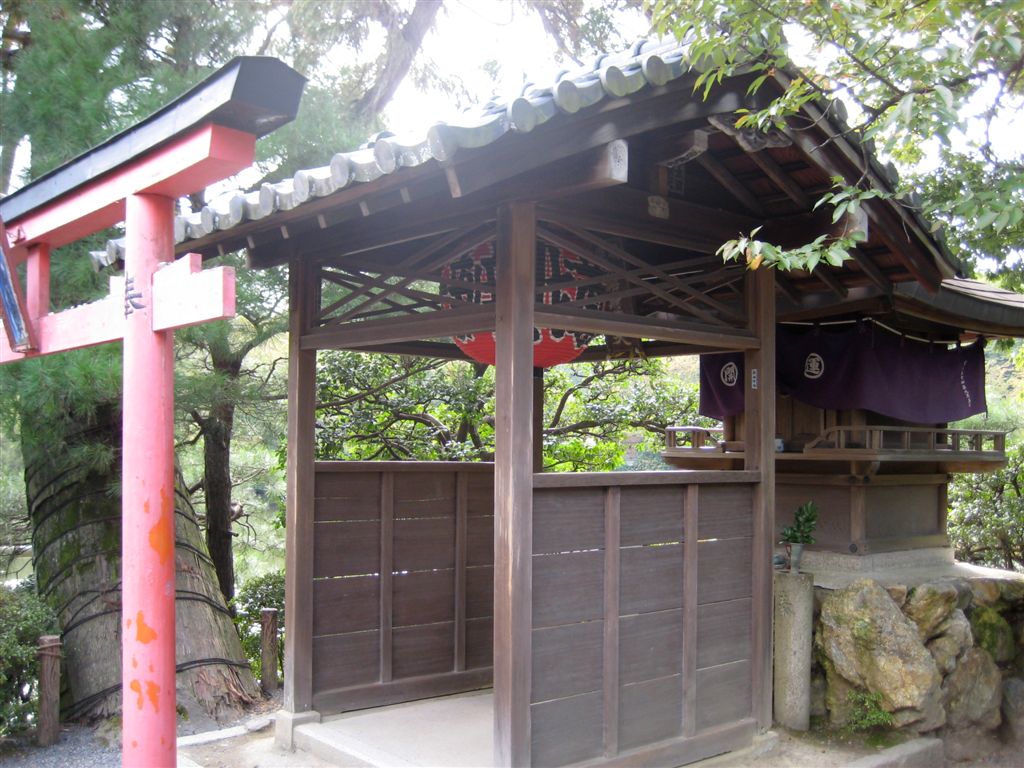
(303, 298)
(759, 429)
(147, 495)
(513, 484)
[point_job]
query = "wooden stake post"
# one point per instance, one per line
(135, 177)
(48, 726)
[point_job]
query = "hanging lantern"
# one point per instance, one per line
(558, 270)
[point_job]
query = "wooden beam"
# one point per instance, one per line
(733, 186)
(513, 486)
(424, 325)
(631, 326)
(298, 642)
(603, 166)
(624, 211)
(646, 349)
(759, 437)
(433, 349)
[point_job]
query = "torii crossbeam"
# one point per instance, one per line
(205, 135)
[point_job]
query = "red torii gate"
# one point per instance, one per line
(205, 135)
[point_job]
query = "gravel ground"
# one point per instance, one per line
(77, 748)
(80, 747)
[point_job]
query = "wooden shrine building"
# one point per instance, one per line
(622, 618)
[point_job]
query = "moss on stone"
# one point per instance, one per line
(993, 633)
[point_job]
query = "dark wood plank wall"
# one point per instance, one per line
(642, 618)
(402, 581)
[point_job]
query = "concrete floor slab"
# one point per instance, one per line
(452, 731)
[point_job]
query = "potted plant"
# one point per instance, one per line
(800, 533)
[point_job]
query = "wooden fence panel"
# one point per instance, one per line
(616, 667)
(399, 613)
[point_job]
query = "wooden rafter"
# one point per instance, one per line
(825, 275)
(724, 176)
(782, 180)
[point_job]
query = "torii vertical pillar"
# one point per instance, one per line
(147, 492)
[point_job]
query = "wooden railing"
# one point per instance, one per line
(693, 438)
(909, 440)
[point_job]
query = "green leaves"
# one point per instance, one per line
(757, 253)
(917, 78)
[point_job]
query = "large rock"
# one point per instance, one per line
(870, 644)
(973, 692)
(1011, 590)
(958, 628)
(993, 633)
(945, 650)
(985, 590)
(929, 606)
(954, 637)
(898, 592)
(1013, 709)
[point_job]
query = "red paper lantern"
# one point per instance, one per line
(557, 269)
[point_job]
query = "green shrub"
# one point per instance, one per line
(866, 713)
(23, 619)
(265, 591)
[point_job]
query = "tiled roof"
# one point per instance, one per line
(648, 62)
(608, 76)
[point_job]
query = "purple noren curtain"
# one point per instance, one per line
(859, 367)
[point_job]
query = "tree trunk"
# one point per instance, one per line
(73, 493)
(217, 430)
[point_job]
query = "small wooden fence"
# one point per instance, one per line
(642, 602)
(642, 615)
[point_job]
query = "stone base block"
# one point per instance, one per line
(285, 723)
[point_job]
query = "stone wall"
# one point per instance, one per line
(945, 657)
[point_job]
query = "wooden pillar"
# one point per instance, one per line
(147, 495)
(759, 436)
(37, 281)
(538, 419)
(48, 726)
(513, 484)
(303, 295)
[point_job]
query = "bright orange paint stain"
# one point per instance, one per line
(137, 688)
(152, 692)
(135, 662)
(161, 535)
(145, 633)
